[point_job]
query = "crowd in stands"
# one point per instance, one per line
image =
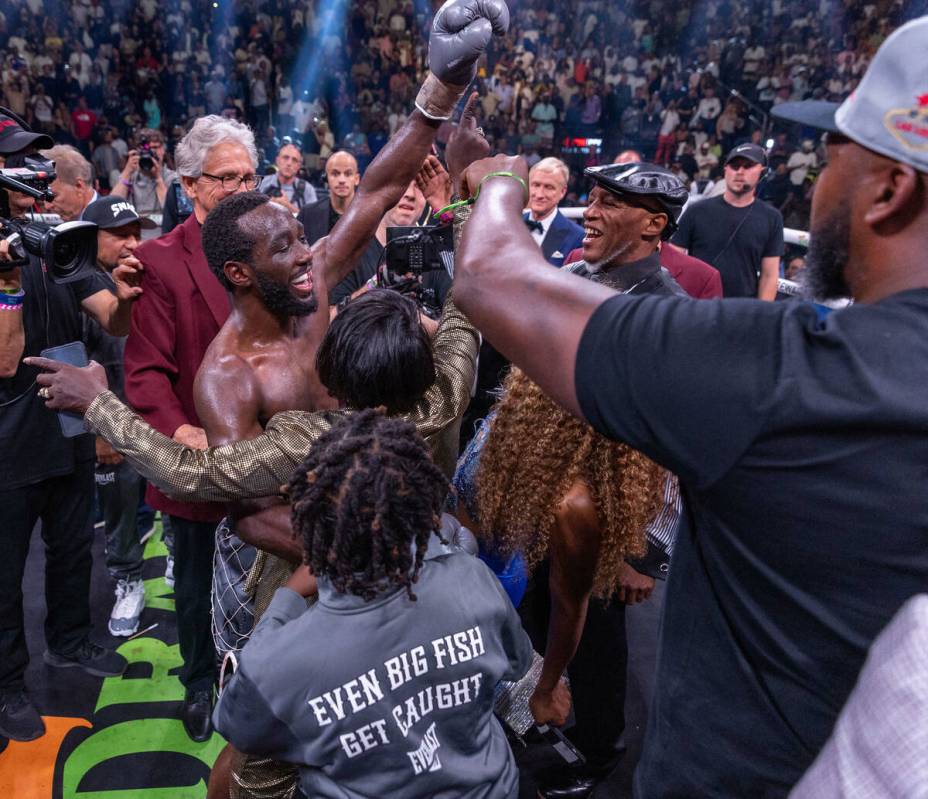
(680, 82)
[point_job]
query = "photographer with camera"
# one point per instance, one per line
(43, 474)
(145, 179)
(285, 187)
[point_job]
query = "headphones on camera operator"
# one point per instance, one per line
(750, 152)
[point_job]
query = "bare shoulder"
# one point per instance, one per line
(577, 510)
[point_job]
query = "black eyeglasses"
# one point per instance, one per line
(231, 183)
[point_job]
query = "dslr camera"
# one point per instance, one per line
(68, 250)
(146, 159)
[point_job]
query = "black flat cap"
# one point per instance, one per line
(644, 180)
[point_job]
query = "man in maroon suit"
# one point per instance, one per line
(179, 314)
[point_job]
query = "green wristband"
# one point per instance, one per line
(450, 208)
(502, 175)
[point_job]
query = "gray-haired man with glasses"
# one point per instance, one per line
(181, 310)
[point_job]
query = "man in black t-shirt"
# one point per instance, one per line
(119, 486)
(43, 475)
(800, 440)
(737, 233)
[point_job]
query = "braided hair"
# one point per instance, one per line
(367, 491)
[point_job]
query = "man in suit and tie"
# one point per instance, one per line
(179, 314)
(554, 232)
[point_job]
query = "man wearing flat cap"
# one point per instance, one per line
(632, 208)
(735, 232)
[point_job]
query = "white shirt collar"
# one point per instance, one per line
(546, 222)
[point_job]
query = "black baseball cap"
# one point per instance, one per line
(753, 152)
(111, 212)
(16, 135)
(644, 180)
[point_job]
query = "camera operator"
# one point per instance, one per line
(285, 187)
(145, 179)
(73, 186)
(119, 234)
(45, 475)
(406, 213)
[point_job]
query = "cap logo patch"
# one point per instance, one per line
(910, 125)
(7, 123)
(119, 208)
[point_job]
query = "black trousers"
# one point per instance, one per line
(194, 544)
(64, 505)
(597, 672)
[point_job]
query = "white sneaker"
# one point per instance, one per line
(169, 571)
(130, 600)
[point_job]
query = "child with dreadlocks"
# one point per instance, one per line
(383, 687)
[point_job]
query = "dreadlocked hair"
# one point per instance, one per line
(366, 492)
(534, 453)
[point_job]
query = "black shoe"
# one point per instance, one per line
(568, 784)
(91, 658)
(197, 714)
(19, 720)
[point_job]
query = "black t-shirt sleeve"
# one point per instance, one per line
(691, 384)
(684, 234)
(775, 244)
(90, 285)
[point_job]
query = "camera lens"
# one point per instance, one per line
(146, 163)
(64, 252)
(69, 250)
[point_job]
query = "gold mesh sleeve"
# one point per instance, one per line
(244, 470)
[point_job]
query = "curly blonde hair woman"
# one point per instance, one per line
(576, 505)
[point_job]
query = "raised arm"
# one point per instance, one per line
(460, 33)
(532, 314)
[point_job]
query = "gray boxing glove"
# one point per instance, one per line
(460, 34)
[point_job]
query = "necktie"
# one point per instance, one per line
(533, 225)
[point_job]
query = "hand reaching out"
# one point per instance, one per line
(434, 182)
(467, 143)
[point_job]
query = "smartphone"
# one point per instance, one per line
(74, 353)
